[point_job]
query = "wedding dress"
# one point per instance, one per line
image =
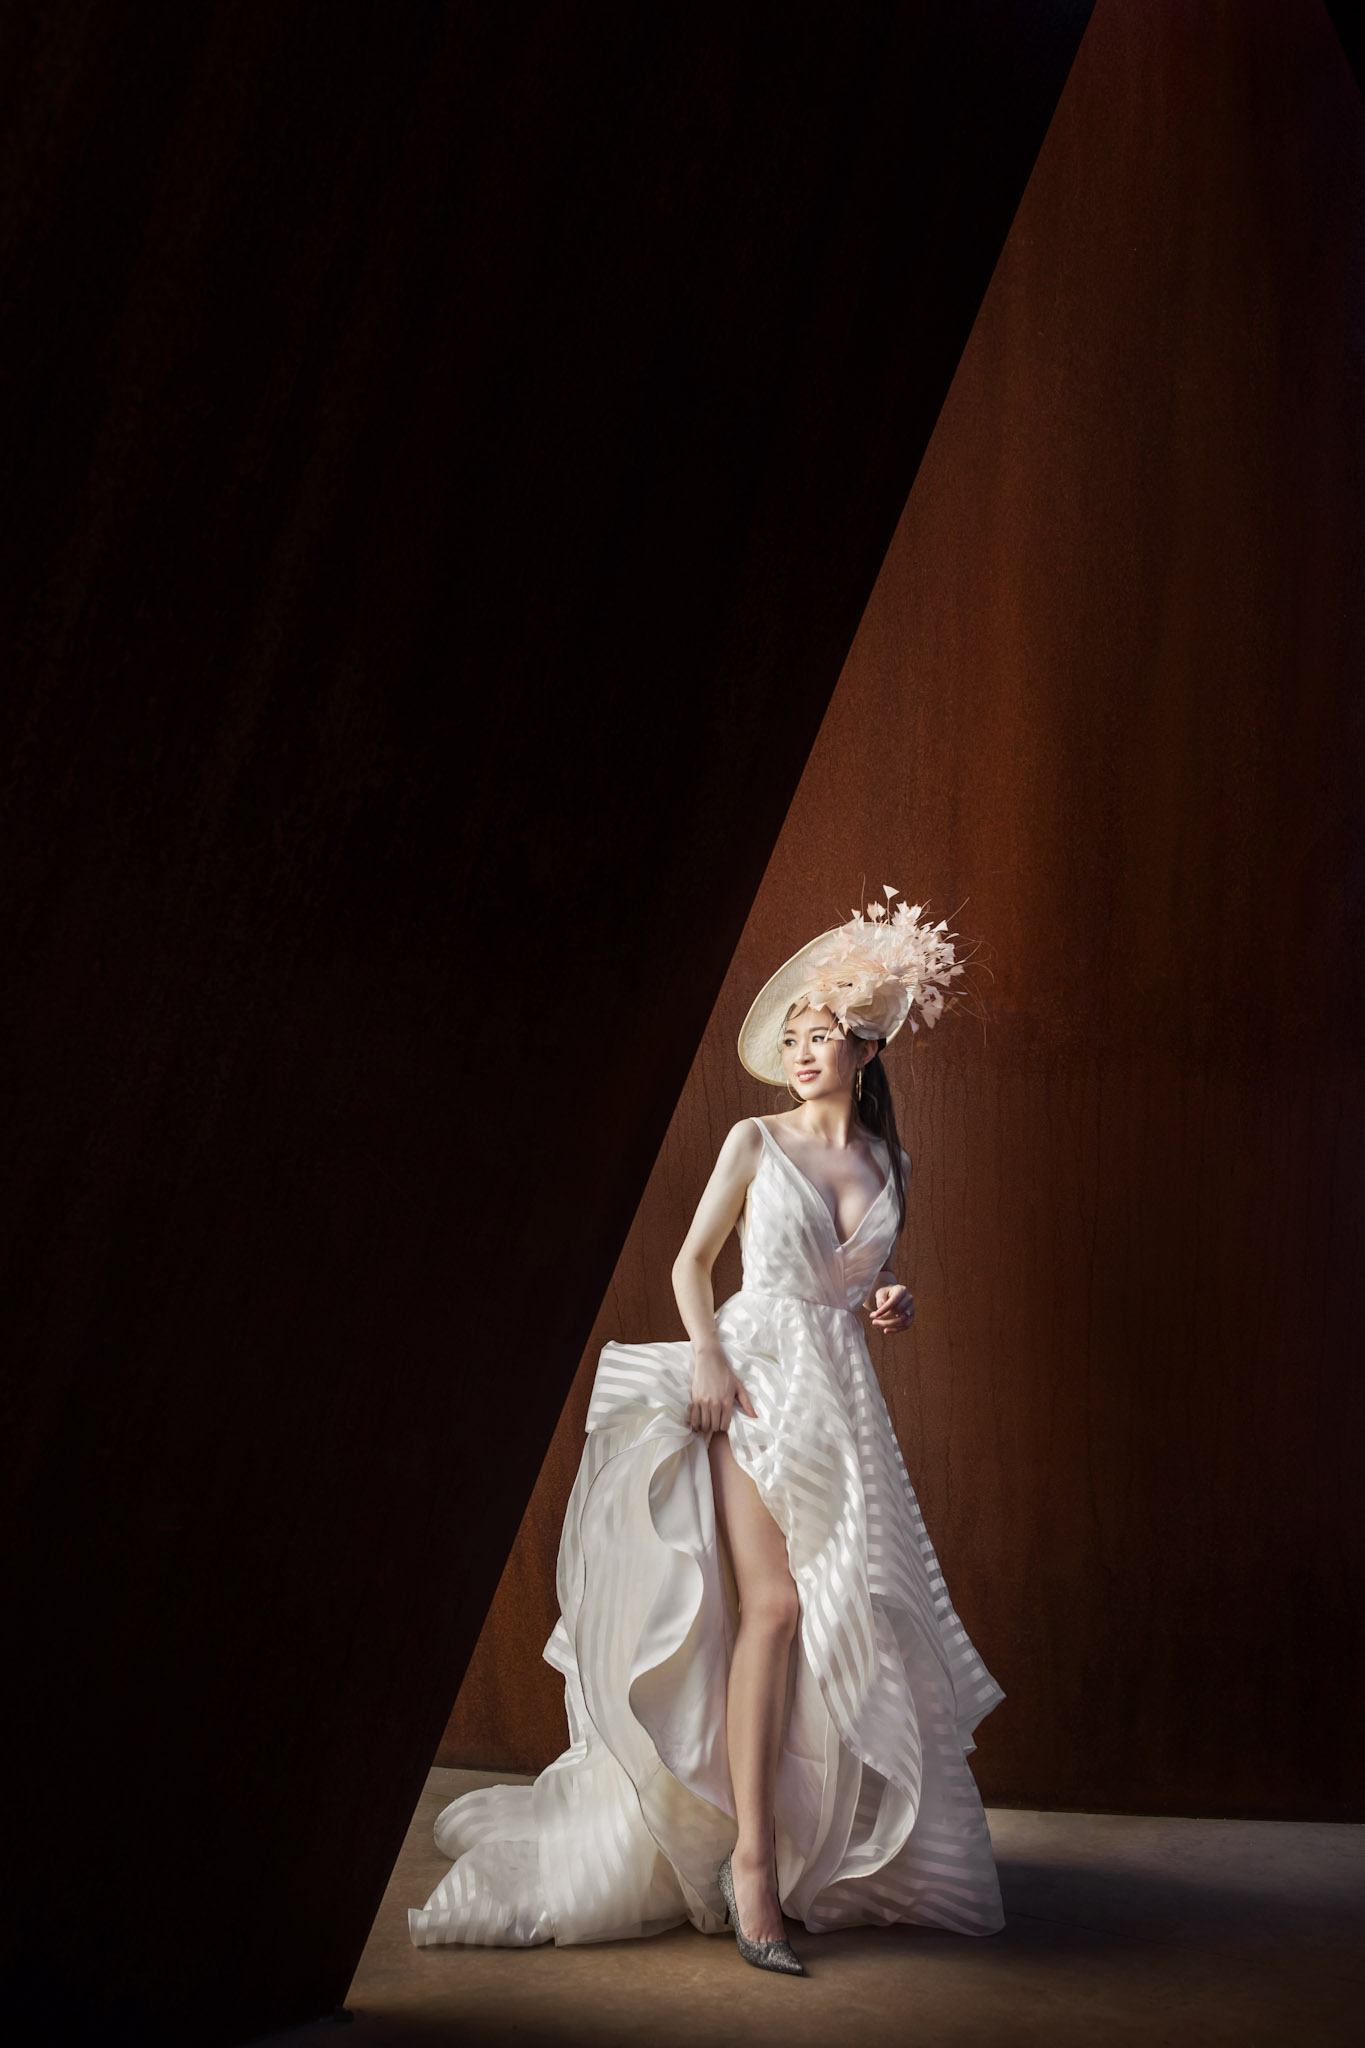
(878, 1816)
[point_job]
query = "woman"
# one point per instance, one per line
(770, 1697)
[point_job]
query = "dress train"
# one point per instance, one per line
(878, 1816)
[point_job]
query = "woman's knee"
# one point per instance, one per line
(773, 1609)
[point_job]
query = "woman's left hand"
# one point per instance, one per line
(894, 1309)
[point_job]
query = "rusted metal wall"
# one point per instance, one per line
(1106, 697)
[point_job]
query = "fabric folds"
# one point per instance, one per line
(878, 1817)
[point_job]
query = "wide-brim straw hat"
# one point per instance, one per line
(760, 1035)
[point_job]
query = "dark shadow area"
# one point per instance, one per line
(1306, 1916)
(365, 2030)
(444, 453)
(1350, 26)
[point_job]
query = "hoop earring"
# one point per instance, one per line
(858, 1085)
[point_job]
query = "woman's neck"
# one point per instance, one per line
(831, 1120)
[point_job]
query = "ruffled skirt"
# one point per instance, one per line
(878, 1816)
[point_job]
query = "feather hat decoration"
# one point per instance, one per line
(875, 973)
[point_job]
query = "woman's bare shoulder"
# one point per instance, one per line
(743, 1143)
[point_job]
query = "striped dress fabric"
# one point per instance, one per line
(878, 1816)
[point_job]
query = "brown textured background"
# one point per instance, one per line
(1107, 690)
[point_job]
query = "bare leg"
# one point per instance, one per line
(769, 1608)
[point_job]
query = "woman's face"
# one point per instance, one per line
(817, 1058)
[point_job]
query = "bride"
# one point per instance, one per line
(770, 1697)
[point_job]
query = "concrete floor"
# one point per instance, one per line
(1120, 1930)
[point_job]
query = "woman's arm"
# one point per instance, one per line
(892, 1305)
(715, 1390)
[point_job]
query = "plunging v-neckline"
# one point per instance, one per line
(840, 1243)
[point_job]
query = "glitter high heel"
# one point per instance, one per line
(764, 1955)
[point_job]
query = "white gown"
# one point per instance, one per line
(878, 1816)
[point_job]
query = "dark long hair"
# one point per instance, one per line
(877, 1114)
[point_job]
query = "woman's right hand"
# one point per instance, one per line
(715, 1391)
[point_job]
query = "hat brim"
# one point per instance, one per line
(760, 1035)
